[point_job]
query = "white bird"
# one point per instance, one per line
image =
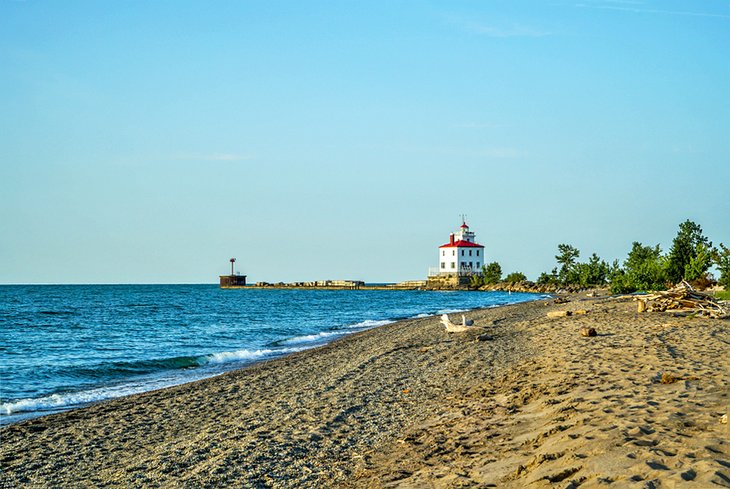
(451, 327)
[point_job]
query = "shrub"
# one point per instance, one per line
(515, 277)
(548, 278)
(492, 273)
(699, 263)
(685, 247)
(644, 269)
(595, 272)
(721, 257)
(569, 268)
(572, 272)
(723, 295)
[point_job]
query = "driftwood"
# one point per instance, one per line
(682, 298)
(559, 314)
(466, 324)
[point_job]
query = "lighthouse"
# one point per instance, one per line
(462, 255)
(234, 279)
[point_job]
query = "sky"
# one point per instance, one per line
(149, 142)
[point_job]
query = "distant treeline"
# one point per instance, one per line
(645, 268)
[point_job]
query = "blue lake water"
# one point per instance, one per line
(65, 346)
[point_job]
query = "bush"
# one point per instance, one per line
(699, 263)
(721, 258)
(569, 268)
(492, 273)
(548, 278)
(476, 281)
(686, 245)
(723, 295)
(515, 277)
(572, 272)
(644, 269)
(595, 272)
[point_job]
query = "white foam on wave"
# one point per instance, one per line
(63, 400)
(326, 335)
(242, 355)
(419, 316)
(309, 338)
(371, 323)
(56, 401)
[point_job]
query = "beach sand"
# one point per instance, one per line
(524, 401)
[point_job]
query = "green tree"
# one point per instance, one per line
(515, 277)
(594, 272)
(548, 278)
(684, 249)
(644, 269)
(699, 263)
(721, 257)
(476, 281)
(567, 259)
(492, 273)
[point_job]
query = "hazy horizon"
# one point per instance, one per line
(151, 142)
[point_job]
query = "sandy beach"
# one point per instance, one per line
(523, 401)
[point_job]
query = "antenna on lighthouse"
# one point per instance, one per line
(232, 260)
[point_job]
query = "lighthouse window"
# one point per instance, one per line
(469, 252)
(453, 252)
(462, 252)
(477, 264)
(453, 265)
(443, 253)
(443, 264)
(477, 252)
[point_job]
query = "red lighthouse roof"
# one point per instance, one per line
(464, 226)
(461, 244)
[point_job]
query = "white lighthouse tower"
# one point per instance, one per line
(462, 255)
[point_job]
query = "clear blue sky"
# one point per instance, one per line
(151, 141)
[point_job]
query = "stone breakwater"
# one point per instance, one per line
(527, 286)
(462, 283)
(334, 285)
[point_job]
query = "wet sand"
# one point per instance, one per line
(523, 401)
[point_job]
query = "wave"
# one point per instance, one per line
(370, 323)
(242, 355)
(310, 338)
(124, 369)
(142, 367)
(316, 338)
(55, 401)
(70, 399)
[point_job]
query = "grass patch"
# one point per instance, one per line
(723, 295)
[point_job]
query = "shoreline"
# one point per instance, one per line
(54, 407)
(407, 403)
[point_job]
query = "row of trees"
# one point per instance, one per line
(572, 272)
(646, 267)
(492, 274)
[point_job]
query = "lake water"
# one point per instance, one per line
(65, 346)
